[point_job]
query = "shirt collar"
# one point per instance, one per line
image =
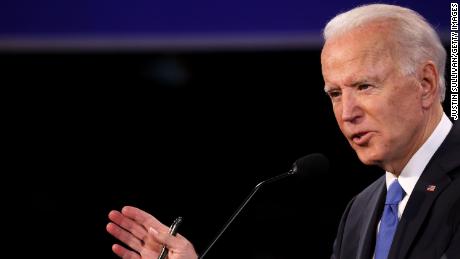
(414, 168)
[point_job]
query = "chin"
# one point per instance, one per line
(369, 158)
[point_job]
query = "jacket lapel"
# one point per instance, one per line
(375, 207)
(417, 208)
(432, 182)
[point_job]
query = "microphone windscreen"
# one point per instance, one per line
(315, 163)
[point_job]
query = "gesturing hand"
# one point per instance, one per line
(145, 235)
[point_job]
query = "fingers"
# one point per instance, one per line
(124, 236)
(144, 234)
(124, 253)
(133, 227)
(143, 218)
(132, 233)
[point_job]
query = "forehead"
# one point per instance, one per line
(362, 52)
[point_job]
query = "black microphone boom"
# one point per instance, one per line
(313, 163)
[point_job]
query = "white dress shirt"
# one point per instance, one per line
(414, 168)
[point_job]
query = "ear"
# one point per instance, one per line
(429, 82)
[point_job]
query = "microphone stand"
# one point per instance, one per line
(273, 179)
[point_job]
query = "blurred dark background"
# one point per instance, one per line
(185, 128)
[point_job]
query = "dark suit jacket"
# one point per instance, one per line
(429, 227)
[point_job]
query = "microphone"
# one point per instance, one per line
(312, 163)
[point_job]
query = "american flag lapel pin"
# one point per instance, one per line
(431, 188)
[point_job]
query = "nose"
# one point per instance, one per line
(351, 110)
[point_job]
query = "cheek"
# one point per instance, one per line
(406, 97)
(399, 121)
(337, 113)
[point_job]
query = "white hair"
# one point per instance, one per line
(416, 38)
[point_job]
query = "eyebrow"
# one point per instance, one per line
(328, 88)
(360, 82)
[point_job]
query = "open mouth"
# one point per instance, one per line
(361, 138)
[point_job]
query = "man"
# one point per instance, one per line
(383, 68)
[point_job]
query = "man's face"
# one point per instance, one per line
(377, 108)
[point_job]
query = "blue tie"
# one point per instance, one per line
(389, 221)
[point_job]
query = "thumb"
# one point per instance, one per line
(178, 245)
(162, 237)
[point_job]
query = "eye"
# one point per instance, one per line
(363, 86)
(334, 94)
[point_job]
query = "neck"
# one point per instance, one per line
(429, 124)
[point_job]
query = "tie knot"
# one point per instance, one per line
(395, 194)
